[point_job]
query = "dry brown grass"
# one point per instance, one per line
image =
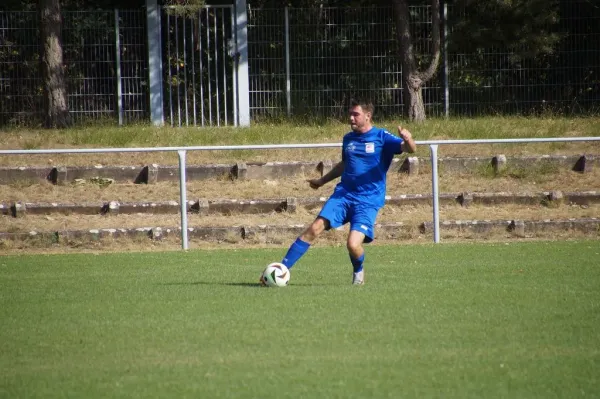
(480, 181)
(232, 157)
(331, 132)
(329, 239)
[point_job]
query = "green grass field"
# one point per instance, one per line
(519, 320)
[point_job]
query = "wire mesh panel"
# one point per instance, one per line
(20, 82)
(199, 69)
(335, 54)
(266, 62)
(340, 53)
(134, 65)
(97, 75)
(91, 69)
(89, 54)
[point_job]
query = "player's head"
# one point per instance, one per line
(360, 114)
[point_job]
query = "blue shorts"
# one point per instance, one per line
(361, 215)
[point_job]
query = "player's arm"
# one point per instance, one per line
(334, 173)
(408, 145)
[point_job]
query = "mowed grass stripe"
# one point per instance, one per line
(474, 320)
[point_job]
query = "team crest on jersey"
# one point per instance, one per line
(351, 147)
(370, 147)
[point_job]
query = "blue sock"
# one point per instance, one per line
(297, 249)
(357, 264)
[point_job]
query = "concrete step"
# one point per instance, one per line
(153, 173)
(278, 234)
(290, 204)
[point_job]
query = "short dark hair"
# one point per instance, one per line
(366, 105)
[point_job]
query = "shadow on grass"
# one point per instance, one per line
(231, 284)
(245, 284)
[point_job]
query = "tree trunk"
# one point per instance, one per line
(415, 107)
(56, 110)
(413, 79)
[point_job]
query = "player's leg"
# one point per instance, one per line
(332, 215)
(362, 230)
(357, 255)
(304, 241)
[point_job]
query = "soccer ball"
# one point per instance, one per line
(276, 275)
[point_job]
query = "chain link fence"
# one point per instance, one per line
(106, 66)
(311, 61)
(301, 62)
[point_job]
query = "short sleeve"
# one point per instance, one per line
(391, 143)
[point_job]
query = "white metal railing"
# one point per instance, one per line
(182, 151)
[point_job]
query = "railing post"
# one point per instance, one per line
(435, 193)
(183, 199)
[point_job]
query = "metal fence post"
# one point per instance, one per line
(183, 199)
(118, 69)
(243, 82)
(155, 62)
(435, 193)
(288, 85)
(445, 44)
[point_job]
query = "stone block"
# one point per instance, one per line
(152, 174)
(113, 208)
(499, 163)
(148, 175)
(5, 209)
(465, 199)
(291, 204)
(18, 209)
(240, 171)
(555, 198)
(410, 166)
(248, 232)
(585, 163)
(156, 233)
(325, 167)
(201, 207)
(517, 227)
(61, 175)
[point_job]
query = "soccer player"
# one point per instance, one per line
(367, 153)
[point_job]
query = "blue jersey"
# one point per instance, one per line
(367, 158)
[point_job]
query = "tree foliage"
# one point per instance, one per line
(520, 27)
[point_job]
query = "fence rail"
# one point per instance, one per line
(182, 152)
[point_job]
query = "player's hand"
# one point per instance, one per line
(315, 183)
(404, 134)
(408, 144)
